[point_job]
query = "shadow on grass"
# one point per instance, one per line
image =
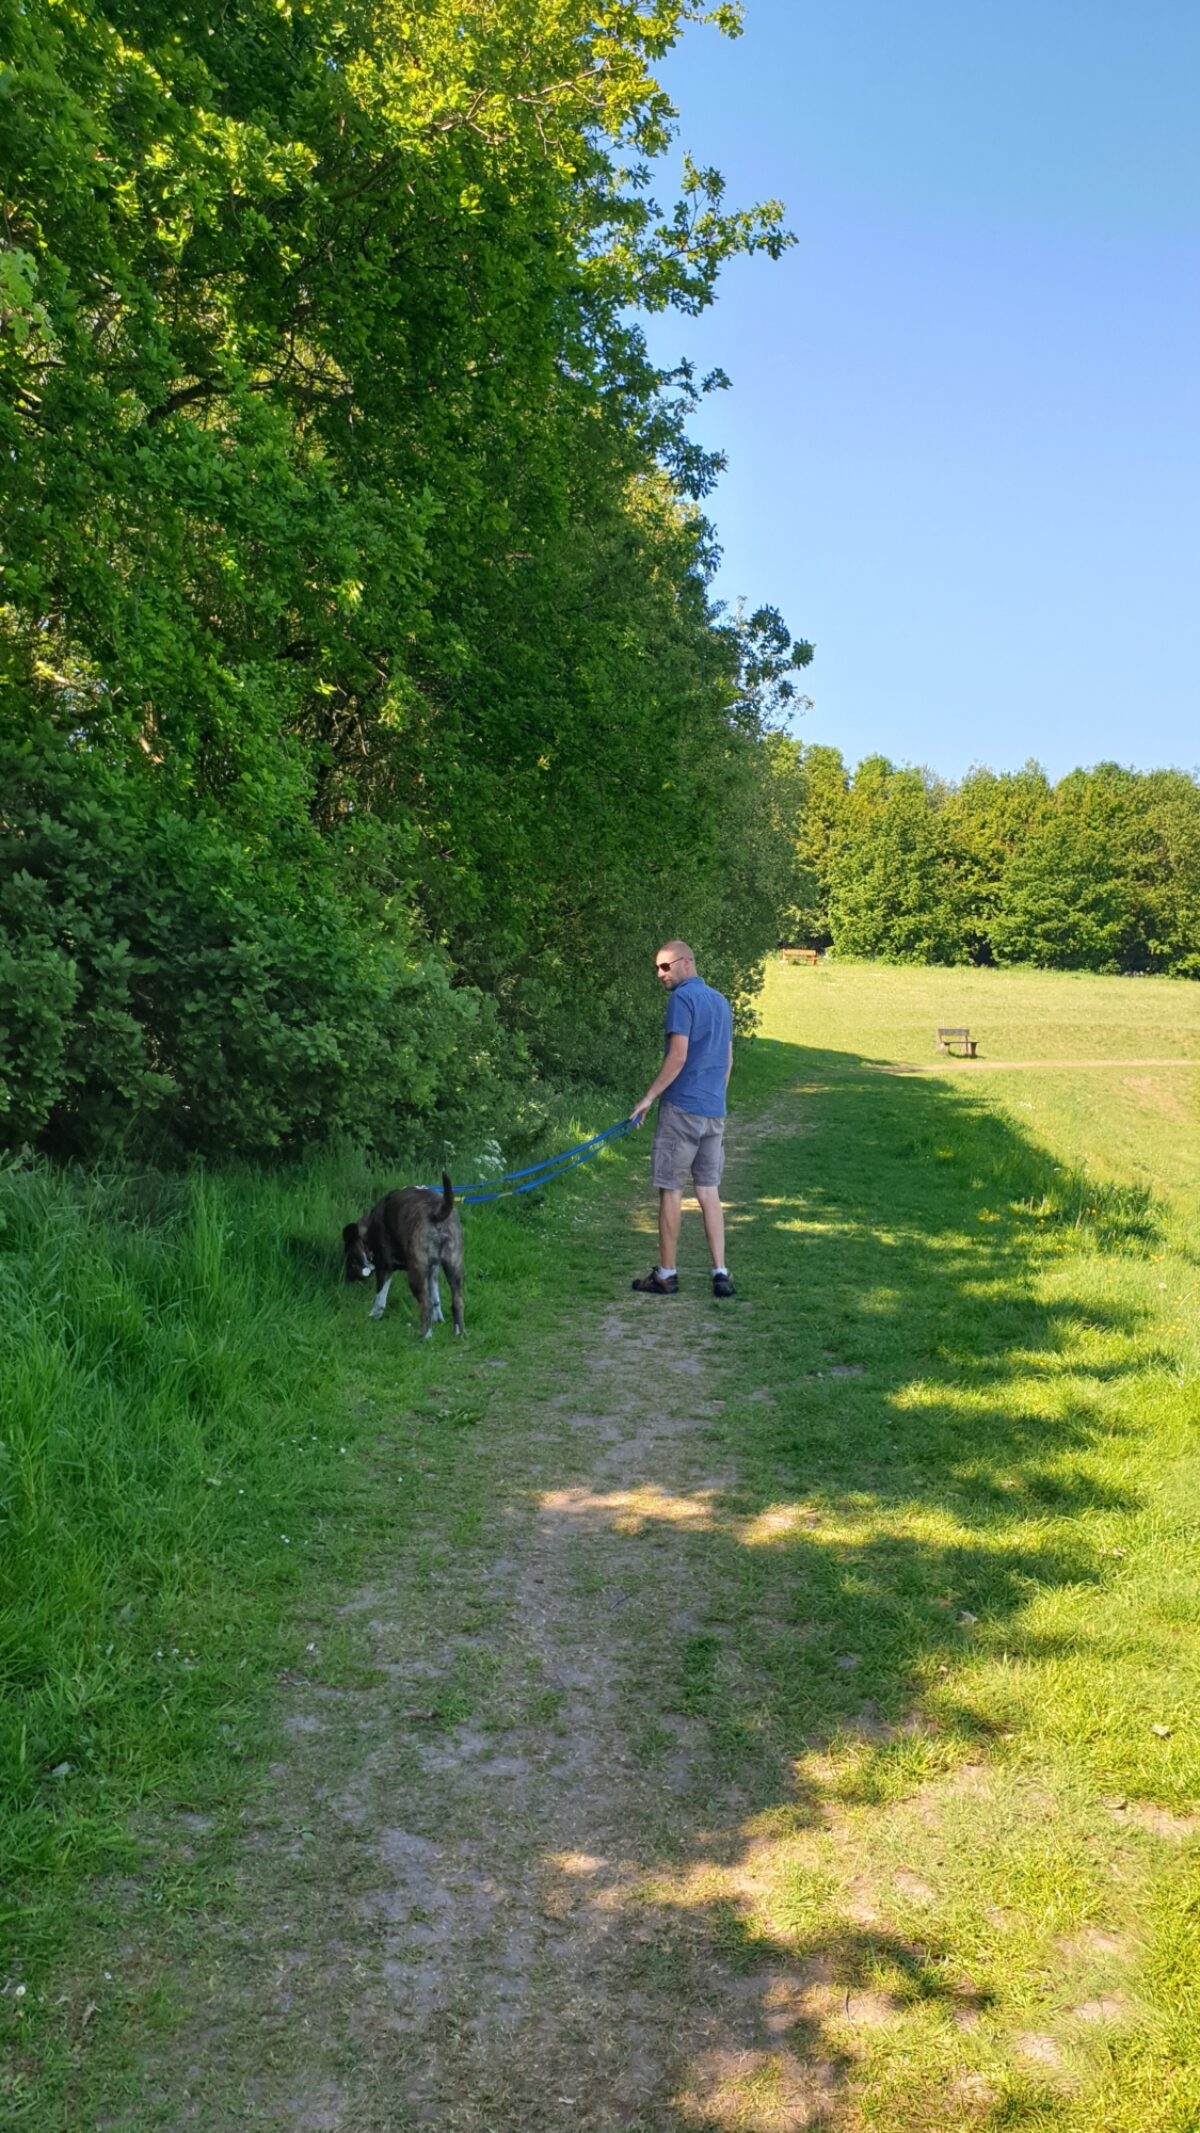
(917, 1433)
(892, 1264)
(315, 1266)
(916, 1417)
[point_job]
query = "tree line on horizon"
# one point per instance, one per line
(1098, 871)
(367, 718)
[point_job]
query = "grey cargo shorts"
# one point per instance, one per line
(683, 1142)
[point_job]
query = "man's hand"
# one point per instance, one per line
(637, 1116)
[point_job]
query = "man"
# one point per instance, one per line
(691, 1123)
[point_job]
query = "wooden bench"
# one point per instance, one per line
(798, 955)
(948, 1038)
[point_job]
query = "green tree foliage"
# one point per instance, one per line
(214, 992)
(1172, 890)
(893, 886)
(988, 819)
(1073, 896)
(1099, 872)
(355, 608)
(819, 814)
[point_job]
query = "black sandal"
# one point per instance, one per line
(652, 1284)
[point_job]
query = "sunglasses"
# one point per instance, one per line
(670, 965)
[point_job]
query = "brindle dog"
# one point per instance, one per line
(415, 1231)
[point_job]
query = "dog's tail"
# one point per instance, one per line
(440, 1213)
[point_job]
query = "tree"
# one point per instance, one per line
(349, 527)
(819, 814)
(1072, 897)
(893, 887)
(988, 818)
(1171, 801)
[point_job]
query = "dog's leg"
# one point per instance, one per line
(438, 1315)
(428, 1292)
(419, 1283)
(380, 1304)
(456, 1296)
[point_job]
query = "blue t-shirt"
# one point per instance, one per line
(702, 1015)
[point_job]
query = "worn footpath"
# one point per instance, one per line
(447, 1908)
(703, 1752)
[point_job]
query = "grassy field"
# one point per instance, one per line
(650, 1715)
(1011, 1260)
(1136, 1124)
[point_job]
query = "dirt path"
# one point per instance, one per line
(673, 1774)
(1015, 1066)
(450, 1913)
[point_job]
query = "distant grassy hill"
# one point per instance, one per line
(1128, 1121)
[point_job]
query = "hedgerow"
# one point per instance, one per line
(369, 720)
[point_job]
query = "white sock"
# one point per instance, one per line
(720, 1270)
(666, 1273)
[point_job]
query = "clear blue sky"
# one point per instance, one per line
(964, 426)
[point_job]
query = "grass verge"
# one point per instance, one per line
(184, 1458)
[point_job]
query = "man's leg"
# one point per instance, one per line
(706, 1176)
(670, 1214)
(668, 1162)
(709, 1200)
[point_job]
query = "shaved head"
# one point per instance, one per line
(679, 949)
(675, 964)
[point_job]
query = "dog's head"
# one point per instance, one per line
(359, 1263)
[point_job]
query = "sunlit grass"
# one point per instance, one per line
(942, 1644)
(993, 1458)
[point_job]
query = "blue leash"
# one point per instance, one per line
(544, 1173)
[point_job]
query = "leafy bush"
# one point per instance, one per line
(196, 991)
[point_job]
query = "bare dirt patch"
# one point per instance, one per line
(1039, 2048)
(1155, 1820)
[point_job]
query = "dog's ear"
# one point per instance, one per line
(353, 1234)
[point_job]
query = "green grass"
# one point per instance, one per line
(999, 1531)
(184, 1455)
(943, 1643)
(1136, 1124)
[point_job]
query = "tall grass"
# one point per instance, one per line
(178, 1423)
(164, 1415)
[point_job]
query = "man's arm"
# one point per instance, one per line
(729, 1065)
(669, 1071)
